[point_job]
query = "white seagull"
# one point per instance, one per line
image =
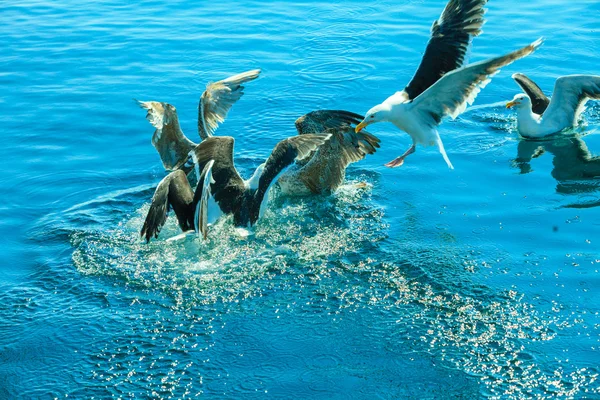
(441, 86)
(538, 116)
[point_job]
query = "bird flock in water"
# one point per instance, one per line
(315, 161)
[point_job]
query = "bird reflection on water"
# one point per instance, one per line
(575, 168)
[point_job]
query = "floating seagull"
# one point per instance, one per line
(172, 145)
(538, 116)
(221, 190)
(324, 170)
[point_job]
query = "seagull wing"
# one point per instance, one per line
(569, 97)
(344, 143)
(282, 157)
(228, 184)
(457, 89)
(217, 100)
(168, 139)
(326, 170)
(322, 120)
(539, 101)
(450, 38)
(354, 146)
(175, 192)
(201, 200)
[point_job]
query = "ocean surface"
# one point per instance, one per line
(430, 283)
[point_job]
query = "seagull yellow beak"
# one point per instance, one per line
(511, 104)
(360, 127)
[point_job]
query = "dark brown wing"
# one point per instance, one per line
(539, 101)
(355, 146)
(325, 170)
(228, 185)
(324, 120)
(283, 156)
(451, 35)
(174, 192)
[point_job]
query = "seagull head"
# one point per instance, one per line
(519, 101)
(378, 113)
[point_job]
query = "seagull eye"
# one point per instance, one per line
(372, 116)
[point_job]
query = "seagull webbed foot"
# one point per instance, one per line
(397, 162)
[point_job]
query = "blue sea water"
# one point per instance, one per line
(431, 283)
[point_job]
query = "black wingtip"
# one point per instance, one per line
(144, 232)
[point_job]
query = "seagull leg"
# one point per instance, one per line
(400, 160)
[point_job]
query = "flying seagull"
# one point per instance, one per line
(538, 116)
(446, 50)
(441, 86)
(449, 96)
(172, 145)
(221, 190)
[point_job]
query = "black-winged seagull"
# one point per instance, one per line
(441, 86)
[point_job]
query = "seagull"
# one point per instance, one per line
(446, 50)
(324, 171)
(449, 96)
(442, 86)
(172, 145)
(221, 190)
(538, 116)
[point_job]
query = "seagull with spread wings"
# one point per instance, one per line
(221, 190)
(324, 171)
(441, 86)
(321, 172)
(173, 146)
(538, 116)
